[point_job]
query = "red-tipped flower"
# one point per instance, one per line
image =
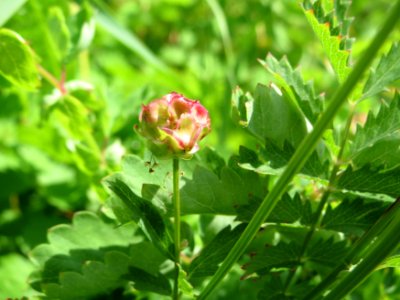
(174, 125)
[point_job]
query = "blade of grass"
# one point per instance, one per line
(225, 36)
(358, 250)
(383, 246)
(128, 39)
(303, 152)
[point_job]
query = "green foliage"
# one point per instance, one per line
(92, 258)
(271, 115)
(143, 213)
(351, 216)
(386, 73)
(14, 284)
(73, 75)
(377, 142)
(331, 29)
(292, 82)
(17, 63)
(221, 190)
(214, 253)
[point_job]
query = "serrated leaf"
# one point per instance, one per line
(282, 255)
(330, 38)
(184, 285)
(370, 181)
(143, 213)
(288, 210)
(206, 264)
(326, 252)
(378, 142)
(217, 195)
(17, 63)
(274, 289)
(90, 258)
(94, 279)
(387, 72)
(292, 82)
(144, 281)
(279, 157)
(352, 216)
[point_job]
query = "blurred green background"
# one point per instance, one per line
(114, 56)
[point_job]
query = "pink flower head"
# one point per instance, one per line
(174, 125)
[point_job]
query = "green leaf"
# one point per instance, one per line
(144, 281)
(330, 37)
(73, 117)
(184, 285)
(14, 269)
(378, 142)
(17, 63)
(206, 264)
(272, 115)
(282, 255)
(144, 214)
(326, 252)
(352, 216)
(91, 258)
(370, 180)
(206, 193)
(59, 31)
(292, 82)
(279, 157)
(202, 191)
(273, 289)
(387, 72)
(390, 262)
(288, 210)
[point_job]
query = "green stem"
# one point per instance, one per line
(383, 246)
(358, 251)
(177, 219)
(302, 154)
(51, 79)
(326, 194)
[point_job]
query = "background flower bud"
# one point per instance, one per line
(174, 125)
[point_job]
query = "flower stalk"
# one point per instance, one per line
(177, 223)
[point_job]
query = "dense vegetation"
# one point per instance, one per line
(305, 148)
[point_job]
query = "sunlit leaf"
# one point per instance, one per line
(387, 72)
(330, 37)
(17, 63)
(291, 80)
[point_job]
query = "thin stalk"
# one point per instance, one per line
(359, 249)
(384, 245)
(325, 196)
(177, 220)
(51, 79)
(303, 152)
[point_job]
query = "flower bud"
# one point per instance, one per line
(174, 125)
